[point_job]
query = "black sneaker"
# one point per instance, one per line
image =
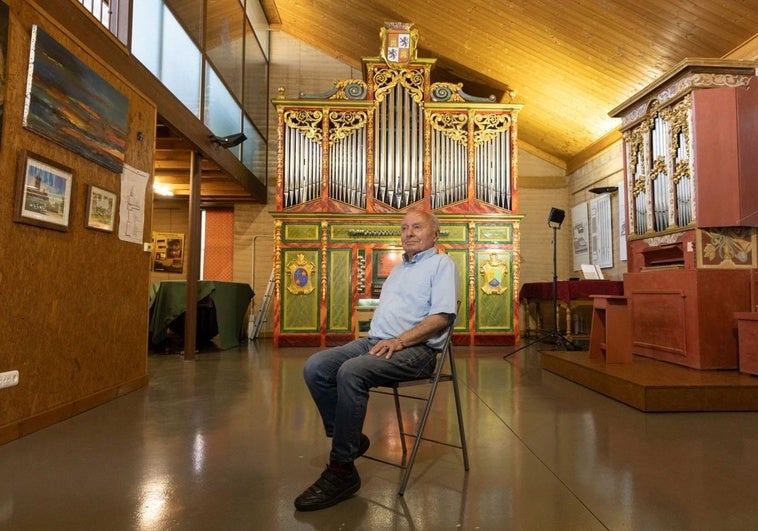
(330, 489)
(363, 445)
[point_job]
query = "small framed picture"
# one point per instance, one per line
(43, 192)
(101, 209)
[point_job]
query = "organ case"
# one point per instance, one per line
(691, 173)
(353, 159)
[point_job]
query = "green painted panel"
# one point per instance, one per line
(339, 290)
(494, 233)
(301, 232)
(460, 259)
(454, 233)
(494, 311)
(300, 310)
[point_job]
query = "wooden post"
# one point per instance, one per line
(193, 258)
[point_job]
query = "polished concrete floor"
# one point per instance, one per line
(228, 441)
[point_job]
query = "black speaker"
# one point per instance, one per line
(556, 216)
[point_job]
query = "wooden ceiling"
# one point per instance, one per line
(172, 168)
(568, 62)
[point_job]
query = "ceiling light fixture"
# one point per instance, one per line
(162, 189)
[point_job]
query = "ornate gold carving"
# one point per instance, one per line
(307, 121)
(495, 273)
(679, 118)
(344, 123)
(277, 258)
(488, 126)
(639, 186)
(659, 168)
(300, 275)
(681, 171)
(516, 270)
(634, 141)
(412, 80)
(324, 247)
(471, 261)
(452, 124)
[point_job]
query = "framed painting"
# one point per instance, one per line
(101, 209)
(168, 252)
(69, 103)
(43, 192)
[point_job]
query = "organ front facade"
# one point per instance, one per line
(353, 160)
(691, 179)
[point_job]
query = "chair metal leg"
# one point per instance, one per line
(419, 436)
(399, 420)
(464, 447)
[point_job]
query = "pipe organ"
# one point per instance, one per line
(691, 157)
(353, 159)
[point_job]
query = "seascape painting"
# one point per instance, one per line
(69, 103)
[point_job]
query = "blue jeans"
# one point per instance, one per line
(339, 380)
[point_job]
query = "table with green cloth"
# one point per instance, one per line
(230, 300)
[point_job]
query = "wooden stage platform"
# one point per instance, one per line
(656, 386)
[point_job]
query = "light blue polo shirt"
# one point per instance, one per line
(414, 290)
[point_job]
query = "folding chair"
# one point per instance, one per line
(440, 375)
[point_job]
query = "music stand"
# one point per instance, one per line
(554, 220)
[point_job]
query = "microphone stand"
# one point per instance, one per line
(560, 341)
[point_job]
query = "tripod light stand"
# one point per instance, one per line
(554, 220)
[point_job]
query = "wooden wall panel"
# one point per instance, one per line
(75, 311)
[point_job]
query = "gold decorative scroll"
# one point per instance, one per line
(449, 92)
(308, 122)
(345, 122)
(385, 80)
(488, 126)
(453, 125)
(349, 89)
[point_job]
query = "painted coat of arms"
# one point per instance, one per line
(398, 43)
(300, 275)
(495, 272)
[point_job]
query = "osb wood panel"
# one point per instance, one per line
(75, 303)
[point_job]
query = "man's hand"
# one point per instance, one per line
(387, 347)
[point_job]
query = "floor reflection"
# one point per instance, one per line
(229, 440)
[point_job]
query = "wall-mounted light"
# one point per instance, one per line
(604, 189)
(228, 141)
